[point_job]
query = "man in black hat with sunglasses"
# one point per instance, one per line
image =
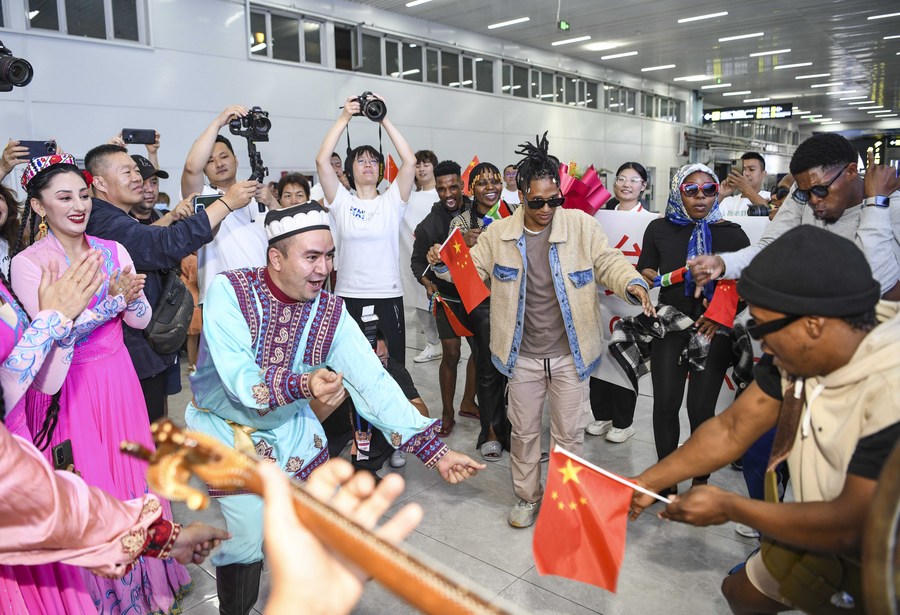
(830, 385)
(831, 193)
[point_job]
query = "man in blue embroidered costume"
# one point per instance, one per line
(269, 334)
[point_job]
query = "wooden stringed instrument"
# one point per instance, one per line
(181, 454)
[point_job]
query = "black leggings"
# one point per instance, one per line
(391, 321)
(611, 402)
(490, 384)
(668, 376)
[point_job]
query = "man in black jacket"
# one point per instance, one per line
(118, 186)
(434, 229)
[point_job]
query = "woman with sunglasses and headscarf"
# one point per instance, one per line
(692, 225)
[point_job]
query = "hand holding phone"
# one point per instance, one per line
(201, 202)
(37, 149)
(134, 136)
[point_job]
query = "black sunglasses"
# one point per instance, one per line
(757, 332)
(539, 203)
(781, 192)
(692, 190)
(819, 191)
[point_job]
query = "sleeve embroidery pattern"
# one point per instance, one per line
(28, 356)
(427, 446)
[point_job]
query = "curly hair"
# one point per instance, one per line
(825, 150)
(537, 164)
(446, 167)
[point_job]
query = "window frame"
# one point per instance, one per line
(140, 7)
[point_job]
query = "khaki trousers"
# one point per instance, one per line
(532, 381)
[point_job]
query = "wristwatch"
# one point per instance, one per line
(877, 201)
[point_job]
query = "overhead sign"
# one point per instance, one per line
(757, 112)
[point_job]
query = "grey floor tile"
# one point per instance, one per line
(534, 599)
(204, 587)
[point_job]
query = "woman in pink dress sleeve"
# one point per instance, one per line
(100, 402)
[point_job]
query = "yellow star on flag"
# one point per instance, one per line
(554, 495)
(561, 505)
(456, 246)
(570, 472)
(573, 505)
(583, 501)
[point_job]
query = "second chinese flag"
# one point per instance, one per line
(469, 285)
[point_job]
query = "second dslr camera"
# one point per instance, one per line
(254, 126)
(371, 107)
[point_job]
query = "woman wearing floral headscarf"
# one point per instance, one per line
(692, 225)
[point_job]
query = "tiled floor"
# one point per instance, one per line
(669, 567)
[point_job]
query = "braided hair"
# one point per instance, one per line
(537, 164)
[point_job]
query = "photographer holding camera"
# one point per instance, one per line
(366, 225)
(241, 240)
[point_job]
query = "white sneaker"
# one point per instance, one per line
(619, 435)
(746, 531)
(598, 428)
(431, 352)
(398, 459)
(523, 513)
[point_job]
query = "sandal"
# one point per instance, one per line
(471, 415)
(491, 451)
(446, 428)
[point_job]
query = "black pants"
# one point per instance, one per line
(490, 384)
(340, 428)
(610, 402)
(154, 389)
(668, 376)
(391, 321)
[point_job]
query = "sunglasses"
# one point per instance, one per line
(781, 192)
(758, 331)
(692, 190)
(819, 191)
(539, 203)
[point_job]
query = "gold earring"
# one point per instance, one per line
(42, 229)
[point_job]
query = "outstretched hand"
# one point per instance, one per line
(455, 467)
(704, 268)
(636, 290)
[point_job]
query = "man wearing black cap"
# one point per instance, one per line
(830, 384)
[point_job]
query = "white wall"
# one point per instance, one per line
(85, 91)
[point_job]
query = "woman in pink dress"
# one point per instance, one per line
(100, 402)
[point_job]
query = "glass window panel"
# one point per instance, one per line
(592, 95)
(412, 62)
(259, 46)
(506, 71)
(630, 102)
(571, 99)
(343, 48)
(433, 64)
(371, 54)
(86, 18)
(520, 82)
(560, 88)
(125, 20)
(285, 38)
(547, 92)
(312, 41)
(2, 22)
(450, 69)
(392, 58)
(42, 14)
(484, 76)
(468, 80)
(535, 84)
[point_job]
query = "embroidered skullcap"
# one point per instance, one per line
(36, 165)
(282, 223)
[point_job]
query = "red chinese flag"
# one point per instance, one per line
(465, 176)
(580, 531)
(455, 254)
(390, 169)
(723, 307)
(458, 327)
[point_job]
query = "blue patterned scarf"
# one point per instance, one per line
(701, 237)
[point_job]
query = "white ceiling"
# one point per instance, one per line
(835, 35)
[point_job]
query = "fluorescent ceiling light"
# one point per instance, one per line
(417, 2)
(600, 46)
(821, 119)
(886, 15)
(569, 41)
(816, 76)
(725, 39)
(713, 87)
(833, 84)
(888, 115)
(741, 93)
(258, 47)
(33, 14)
(867, 108)
(750, 100)
(877, 112)
(694, 78)
(503, 24)
(699, 17)
(839, 92)
(887, 38)
(769, 53)
(412, 71)
(862, 102)
(797, 65)
(547, 95)
(853, 98)
(660, 67)
(619, 55)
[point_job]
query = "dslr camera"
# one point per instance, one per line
(371, 107)
(13, 71)
(254, 126)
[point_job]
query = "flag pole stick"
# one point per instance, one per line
(439, 249)
(610, 475)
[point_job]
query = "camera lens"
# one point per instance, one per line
(375, 110)
(261, 124)
(15, 71)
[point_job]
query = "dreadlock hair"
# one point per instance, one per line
(537, 164)
(483, 168)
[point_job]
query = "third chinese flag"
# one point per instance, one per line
(390, 169)
(455, 254)
(580, 531)
(465, 176)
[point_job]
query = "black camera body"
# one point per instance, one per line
(14, 72)
(254, 126)
(368, 322)
(373, 108)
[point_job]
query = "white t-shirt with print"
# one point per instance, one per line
(510, 197)
(736, 205)
(240, 242)
(367, 237)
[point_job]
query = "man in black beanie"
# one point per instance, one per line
(830, 383)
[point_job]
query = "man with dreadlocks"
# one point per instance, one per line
(543, 266)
